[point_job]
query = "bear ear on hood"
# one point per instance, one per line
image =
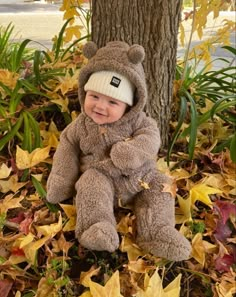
(90, 49)
(136, 54)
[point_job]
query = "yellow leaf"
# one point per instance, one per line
(4, 171)
(173, 289)
(45, 288)
(9, 202)
(25, 160)
(111, 288)
(63, 103)
(140, 266)
(31, 249)
(25, 240)
(51, 136)
(183, 214)
(200, 192)
(198, 249)
(11, 184)
(29, 246)
(132, 250)
(226, 288)
(52, 229)
(125, 224)
(144, 185)
(85, 277)
(153, 287)
(70, 212)
(67, 83)
(163, 167)
(73, 31)
(181, 173)
(14, 259)
(86, 294)
(8, 79)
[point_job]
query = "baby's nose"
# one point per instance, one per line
(101, 104)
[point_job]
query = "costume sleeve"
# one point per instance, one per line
(141, 148)
(65, 169)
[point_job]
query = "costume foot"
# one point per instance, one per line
(101, 236)
(169, 244)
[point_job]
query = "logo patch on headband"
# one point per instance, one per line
(115, 81)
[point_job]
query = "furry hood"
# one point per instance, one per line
(119, 57)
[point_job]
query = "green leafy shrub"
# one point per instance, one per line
(205, 99)
(32, 83)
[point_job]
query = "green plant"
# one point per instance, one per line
(205, 97)
(33, 82)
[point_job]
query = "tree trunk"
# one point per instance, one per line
(154, 25)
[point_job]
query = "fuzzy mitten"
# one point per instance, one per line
(156, 233)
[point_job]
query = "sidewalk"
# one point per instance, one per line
(42, 21)
(37, 21)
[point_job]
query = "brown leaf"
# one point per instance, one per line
(170, 188)
(5, 286)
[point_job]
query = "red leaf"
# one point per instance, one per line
(19, 218)
(223, 264)
(225, 209)
(25, 225)
(222, 231)
(5, 286)
(17, 251)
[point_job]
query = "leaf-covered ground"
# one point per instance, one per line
(39, 255)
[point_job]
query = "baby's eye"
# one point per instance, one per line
(113, 102)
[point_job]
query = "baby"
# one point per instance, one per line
(109, 153)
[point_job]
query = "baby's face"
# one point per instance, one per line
(103, 109)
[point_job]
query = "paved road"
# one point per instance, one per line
(34, 20)
(41, 21)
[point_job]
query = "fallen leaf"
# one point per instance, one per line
(125, 225)
(86, 294)
(153, 287)
(225, 209)
(5, 286)
(11, 184)
(10, 202)
(170, 188)
(183, 214)
(140, 266)
(70, 212)
(223, 264)
(4, 171)
(144, 185)
(111, 288)
(132, 250)
(85, 277)
(226, 289)
(32, 248)
(52, 229)
(25, 160)
(198, 249)
(64, 245)
(200, 192)
(46, 289)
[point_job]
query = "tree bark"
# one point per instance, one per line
(154, 25)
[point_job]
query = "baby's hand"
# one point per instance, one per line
(124, 156)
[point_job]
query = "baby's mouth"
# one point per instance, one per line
(99, 113)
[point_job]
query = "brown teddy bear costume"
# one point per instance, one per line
(104, 163)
